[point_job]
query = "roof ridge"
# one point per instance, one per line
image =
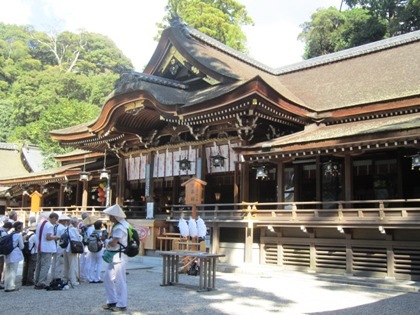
(352, 52)
(9, 146)
(226, 49)
(130, 76)
(310, 63)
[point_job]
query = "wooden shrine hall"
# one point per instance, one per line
(313, 166)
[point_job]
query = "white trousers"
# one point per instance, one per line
(10, 276)
(84, 264)
(71, 267)
(95, 267)
(116, 284)
(57, 265)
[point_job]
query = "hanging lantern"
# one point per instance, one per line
(104, 174)
(332, 169)
(415, 161)
(184, 164)
(84, 176)
(218, 160)
(262, 173)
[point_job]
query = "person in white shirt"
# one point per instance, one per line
(12, 260)
(57, 263)
(4, 230)
(95, 258)
(86, 257)
(71, 259)
(115, 274)
(84, 266)
(29, 261)
(32, 259)
(46, 246)
(13, 216)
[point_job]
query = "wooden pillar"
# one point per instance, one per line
(349, 253)
(318, 176)
(390, 255)
(245, 182)
(202, 163)
(249, 238)
(121, 179)
(236, 183)
(280, 182)
(149, 177)
(348, 178)
(312, 250)
(85, 194)
(215, 239)
(61, 195)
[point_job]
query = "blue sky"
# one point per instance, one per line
(131, 24)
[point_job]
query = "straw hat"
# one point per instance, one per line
(90, 220)
(116, 211)
(32, 227)
(63, 216)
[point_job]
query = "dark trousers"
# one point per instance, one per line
(1, 265)
(29, 265)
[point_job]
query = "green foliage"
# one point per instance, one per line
(220, 19)
(64, 114)
(366, 21)
(52, 81)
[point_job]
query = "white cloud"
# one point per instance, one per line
(14, 12)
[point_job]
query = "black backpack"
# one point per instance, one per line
(6, 244)
(83, 232)
(26, 251)
(56, 284)
(64, 239)
(193, 269)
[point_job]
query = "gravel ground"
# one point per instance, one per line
(237, 293)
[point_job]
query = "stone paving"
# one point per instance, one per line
(248, 290)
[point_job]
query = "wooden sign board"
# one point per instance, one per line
(194, 191)
(35, 201)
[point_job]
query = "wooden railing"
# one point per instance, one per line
(396, 212)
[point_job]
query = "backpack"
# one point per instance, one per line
(56, 284)
(193, 269)
(64, 239)
(26, 251)
(94, 243)
(83, 232)
(6, 244)
(133, 242)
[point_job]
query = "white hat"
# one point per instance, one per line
(116, 211)
(63, 216)
(32, 227)
(90, 220)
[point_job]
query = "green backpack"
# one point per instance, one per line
(133, 242)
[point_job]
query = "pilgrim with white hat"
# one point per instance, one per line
(86, 258)
(29, 262)
(57, 262)
(115, 274)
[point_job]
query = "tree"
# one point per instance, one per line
(401, 16)
(359, 28)
(53, 81)
(220, 19)
(320, 34)
(82, 52)
(64, 114)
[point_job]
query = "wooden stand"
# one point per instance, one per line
(207, 277)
